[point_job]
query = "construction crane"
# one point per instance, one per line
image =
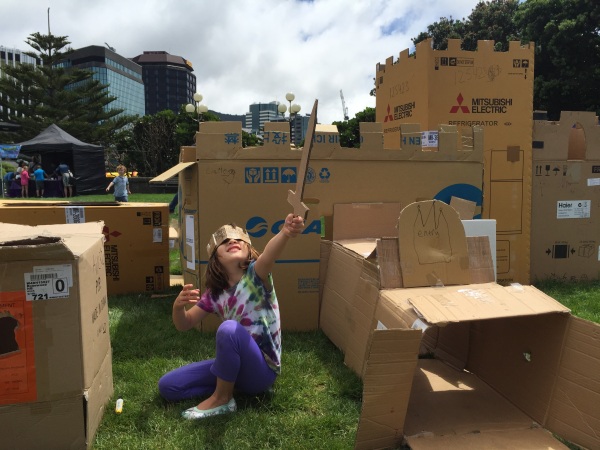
(344, 109)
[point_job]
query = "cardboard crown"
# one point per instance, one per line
(226, 232)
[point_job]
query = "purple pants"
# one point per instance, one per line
(238, 359)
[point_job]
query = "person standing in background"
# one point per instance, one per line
(24, 180)
(64, 173)
(39, 175)
(121, 184)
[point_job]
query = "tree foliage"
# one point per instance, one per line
(567, 60)
(566, 34)
(349, 130)
(154, 143)
(35, 97)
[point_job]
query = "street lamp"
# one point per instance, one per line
(293, 109)
(196, 107)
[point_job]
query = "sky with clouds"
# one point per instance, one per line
(247, 51)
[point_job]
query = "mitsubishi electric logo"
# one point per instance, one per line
(460, 106)
(388, 115)
(483, 105)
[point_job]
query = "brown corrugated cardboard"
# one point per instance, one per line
(57, 356)
(565, 243)
(453, 365)
(249, 186)
(486, 88)
(137, 237)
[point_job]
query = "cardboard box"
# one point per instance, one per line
(475, 365)
(484, 88)
(137, 237)
(55, 356)
(565, 219)
(221, 182)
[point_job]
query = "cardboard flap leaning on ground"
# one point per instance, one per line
(432, 244)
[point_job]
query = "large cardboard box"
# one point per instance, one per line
(137, 237)
(454, 366)
(565, 217)
(221, 182)
(484, 88)
(55, 353)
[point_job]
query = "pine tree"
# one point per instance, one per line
(35, 97)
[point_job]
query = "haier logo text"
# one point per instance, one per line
(257, 227)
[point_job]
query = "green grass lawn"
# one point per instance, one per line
(316, 402)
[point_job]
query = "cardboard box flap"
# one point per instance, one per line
(365, 220)
(574, 411)
(387, 380)
(363, 247)
(171, 172)
(48, 241)
(432, 245)
(477, 302)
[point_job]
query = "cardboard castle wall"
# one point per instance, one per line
(484, 88)
(565, 219)
(220, 182)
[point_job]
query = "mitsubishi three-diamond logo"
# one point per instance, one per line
(388, 115)
(460, 106)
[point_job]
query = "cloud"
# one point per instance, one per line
(247, 51)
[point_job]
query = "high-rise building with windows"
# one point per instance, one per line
(13, 57)
(267, 112)
(122, 76)
(259, 114)
(168, 81)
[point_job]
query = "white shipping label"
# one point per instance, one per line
(190, 243)
(429, 138)
(593, 182)
(48, 282)
(381, 326)
(75, 214)
(157, 235)
(573, 209)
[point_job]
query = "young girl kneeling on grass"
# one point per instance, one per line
(239, 289)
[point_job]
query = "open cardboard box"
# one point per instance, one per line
(456, 360)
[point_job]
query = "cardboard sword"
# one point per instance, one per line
(295, 197)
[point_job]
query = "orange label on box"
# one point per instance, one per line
(17, 355)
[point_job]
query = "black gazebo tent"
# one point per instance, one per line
(86, 161)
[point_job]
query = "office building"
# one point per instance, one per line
(168, 81)
(259, 114)
(12, 57)
(122, 76)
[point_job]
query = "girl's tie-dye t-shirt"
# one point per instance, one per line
(255, 307)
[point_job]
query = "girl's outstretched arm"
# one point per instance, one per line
(292, 227)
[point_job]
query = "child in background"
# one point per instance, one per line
(239, 289)
(121, 184)
(24, 181)
(40, 176)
